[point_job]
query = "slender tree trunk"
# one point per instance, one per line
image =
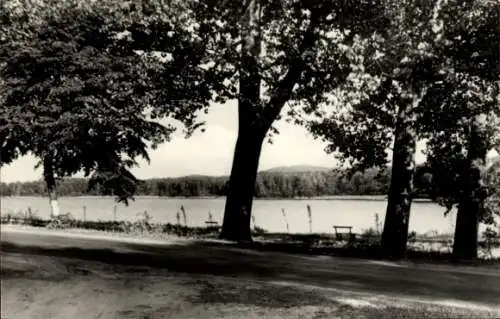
(397, 218)
(472, 200)
(50, 181)
(251, 132)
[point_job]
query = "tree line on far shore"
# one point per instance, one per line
(269, 185)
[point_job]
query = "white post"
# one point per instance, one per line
(54, 207)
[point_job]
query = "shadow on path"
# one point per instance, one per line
(194, 257)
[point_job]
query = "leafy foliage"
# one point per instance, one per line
(306, 49)
(84, 82)
(465, 121)
(446, 53)
(492, 181)
(395, 72)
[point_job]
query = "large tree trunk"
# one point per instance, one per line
(395, 233)
(251, 132)
(238, 210)
(50, 181)
(466, 229)
(255, 119)
(472, 200)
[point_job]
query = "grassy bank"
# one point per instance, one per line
(429, 247)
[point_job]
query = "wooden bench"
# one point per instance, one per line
(339, 235)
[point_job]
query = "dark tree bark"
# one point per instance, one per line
(395, 233)
(50, 182)
(472, 197)
(238, 209)
(251, 133)
(255, 119)
(466, 229)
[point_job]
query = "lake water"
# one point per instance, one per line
(359, 213)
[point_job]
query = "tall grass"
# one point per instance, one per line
(309, 215)
(184, 215)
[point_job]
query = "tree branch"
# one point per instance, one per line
(283, 91)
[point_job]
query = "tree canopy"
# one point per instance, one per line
(465, 122)
(455, 58)
(432, 77)
(83, 84)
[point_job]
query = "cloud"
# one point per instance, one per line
(207, 153)
(20, 170)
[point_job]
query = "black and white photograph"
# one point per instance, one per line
(250, 159)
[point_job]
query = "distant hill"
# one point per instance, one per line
(192, 176)
(297, 169)
(279, 182)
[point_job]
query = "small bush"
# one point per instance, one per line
(62, 221)
(491, 240)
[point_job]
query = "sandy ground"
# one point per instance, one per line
(82, 276)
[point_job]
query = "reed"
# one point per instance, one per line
(184, 215)
(309, 215)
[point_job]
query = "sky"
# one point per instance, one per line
(211, 152)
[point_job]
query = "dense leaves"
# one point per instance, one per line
(443, 55)
(306, 48)
(394, 74)
(82, 85)
(434, 75)
(285, 53)
(492, 182)
(464, 123)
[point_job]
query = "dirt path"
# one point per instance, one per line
(47, 275)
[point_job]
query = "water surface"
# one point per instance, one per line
(358, 213)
